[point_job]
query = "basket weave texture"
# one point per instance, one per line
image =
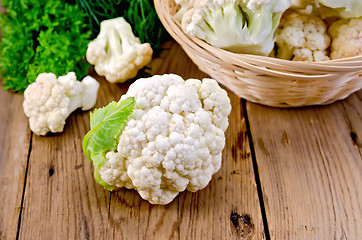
(266, 80)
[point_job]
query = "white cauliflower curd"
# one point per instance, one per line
(301, 37)
(50, 100)
(172, 140)
(346, 38)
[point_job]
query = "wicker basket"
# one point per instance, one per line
(266, 80)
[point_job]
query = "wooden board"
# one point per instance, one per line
(63, 201)
(14, 148)
(310, 169)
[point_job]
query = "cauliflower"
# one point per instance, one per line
(170, 137)
(184, 6)
(346, 38)
(116, 52)
(241, 26)
(302, 37)
(49, 101)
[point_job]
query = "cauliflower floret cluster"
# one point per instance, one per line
(346, 38)
(301, 37)
(49, 101)
(173, 139)
(116, 52)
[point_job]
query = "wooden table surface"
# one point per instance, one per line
(286, 174)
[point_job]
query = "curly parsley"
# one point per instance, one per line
(41, 36)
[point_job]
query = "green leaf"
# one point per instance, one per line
(106, 124)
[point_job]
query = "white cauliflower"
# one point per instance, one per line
(184, 5)
(302, 37)
(172, 140)
(116, 52)
(346, 38)
(49, 101)
(240, 26)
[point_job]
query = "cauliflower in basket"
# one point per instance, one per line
(302, 37)
(116, 52)
(164, 136)
(49, 101)
(240, 26)
(184, 6)
(346, 38)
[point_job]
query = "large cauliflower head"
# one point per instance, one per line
(50, 100)
(173, 139)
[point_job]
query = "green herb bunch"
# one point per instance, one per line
(141, 14)
(41, 36)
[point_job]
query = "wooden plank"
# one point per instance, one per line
(310, 169)
(14, 148)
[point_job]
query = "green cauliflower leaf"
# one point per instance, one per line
(106, 124)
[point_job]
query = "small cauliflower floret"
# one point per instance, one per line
(346, 38)
(302, 37)
(49, 101)
(240, 26)
(172, 140)
(116, 52)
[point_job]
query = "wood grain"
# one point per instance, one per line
(310, 169)
(353, 115)
(14, 148)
